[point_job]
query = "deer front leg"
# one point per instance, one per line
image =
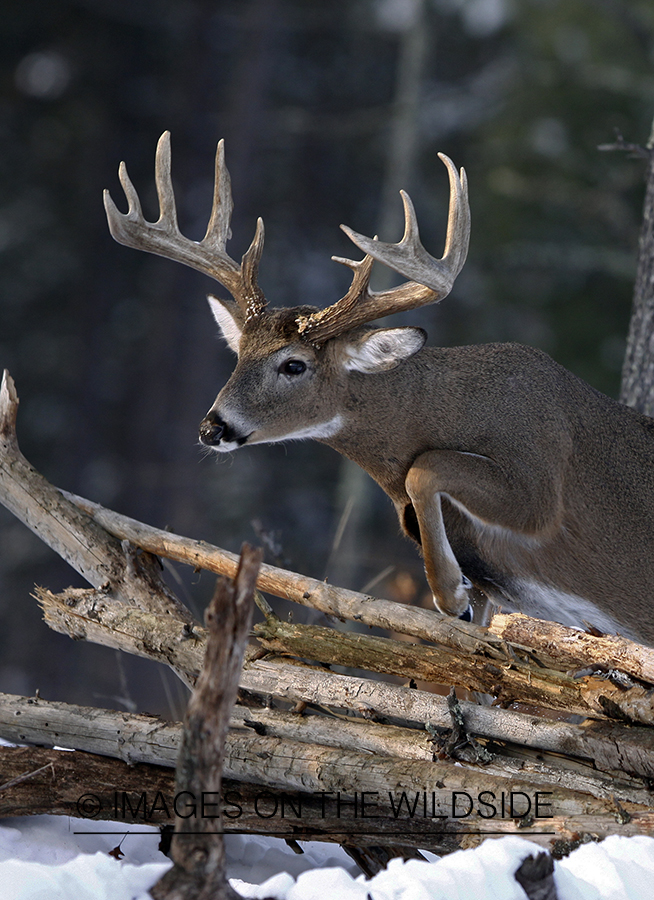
(448, 584)
(521, 502)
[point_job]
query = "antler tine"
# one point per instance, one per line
(219, 232)
(164, 182)
(255, 302)
(320, 326)
(431, 279)
(218, 229)
(164, 238)
(458, 220)
(409, 257)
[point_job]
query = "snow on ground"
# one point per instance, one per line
(57, 858)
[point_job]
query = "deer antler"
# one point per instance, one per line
(164, 238)
(432, 279)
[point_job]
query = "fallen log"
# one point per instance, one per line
(568, 648)
(83, 614)
(609, 746)
(147, 739)
(587, 696)
(306, 792)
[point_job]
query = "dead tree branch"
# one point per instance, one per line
(588, 696)
(118, 570)
(286, 765)
(334, 601)
(569, 649)
(197, 847)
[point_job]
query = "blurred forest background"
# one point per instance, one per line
(327, 109)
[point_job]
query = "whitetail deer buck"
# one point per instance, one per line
(512, 474)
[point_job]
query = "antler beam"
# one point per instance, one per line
(431, 279)
(164, 238)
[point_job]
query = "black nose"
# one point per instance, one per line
(212, 428)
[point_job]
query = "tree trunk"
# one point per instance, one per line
(637, 388)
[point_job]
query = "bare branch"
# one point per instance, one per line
(197, 847)
(119, 570)
(339, 602)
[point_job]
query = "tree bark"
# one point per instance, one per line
(146, 739)
(587, 696)
(197, 848)
(81, 615)
(312, 792)
(560, 647)
(38, 781)
(609, 746)
(637, 389)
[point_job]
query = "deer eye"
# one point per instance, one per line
(293, 367)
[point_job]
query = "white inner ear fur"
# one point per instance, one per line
(229, 328)
(379, 351)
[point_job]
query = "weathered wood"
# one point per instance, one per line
(197, 847)
(83, 614)
(631, 750)
(404, 744)
(96, 788)
(147, 739)
(609, 746)
(285, 736)
(91, 616)
(426, 624)
(589, 696)
(83, 785)
(65, 778)
(118, 570)
(126, 736)
(331, 731)
(560, 647)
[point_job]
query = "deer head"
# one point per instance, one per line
(293, 364)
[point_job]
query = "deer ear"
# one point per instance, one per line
(230, 329)
(383, 349)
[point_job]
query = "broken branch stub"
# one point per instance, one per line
(117, 568)
(197, 848)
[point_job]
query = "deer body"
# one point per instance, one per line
(535, 508)
(514, 476)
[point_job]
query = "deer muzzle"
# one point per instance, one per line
(212, 429)
(216, 433)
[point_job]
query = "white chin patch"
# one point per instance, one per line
(315, 432)
(223, 446)
(310, 432)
